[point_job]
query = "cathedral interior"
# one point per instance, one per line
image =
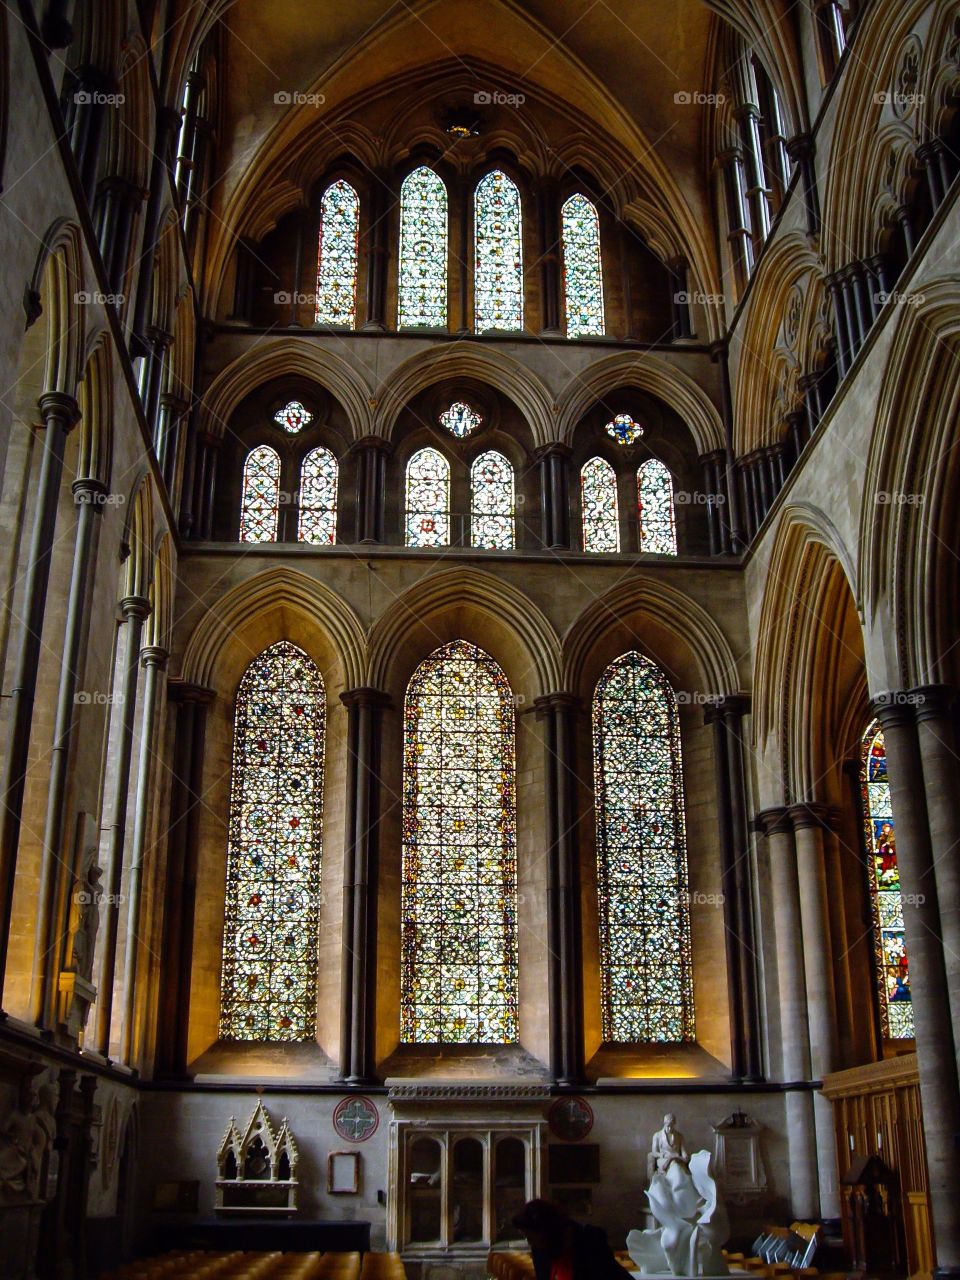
(479, 599)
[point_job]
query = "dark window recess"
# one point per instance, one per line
(572, 1164)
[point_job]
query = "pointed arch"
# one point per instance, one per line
(497, 254)
(427, 500)
(658, 526)
(260, 495)
(422, 288)
(582, 267)
(337, 256)
(317, 520)
(600, 508)
(492, 502)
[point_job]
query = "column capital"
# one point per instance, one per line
(773, 822)
(182, 691)
(135, 607)
(548, 702)
(58, 406)
(176, 404)
(809, 815)
(154, 655)
(715, 456)
(89, 492)
(894, 708)
(722, 705)
(932, 701)
(371, 443)
(556, 448)
(800, 146)
(366, 696)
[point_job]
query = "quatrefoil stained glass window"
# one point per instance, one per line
(293, 417)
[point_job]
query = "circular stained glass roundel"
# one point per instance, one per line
(293, 417)
(624, 429)
(460, 419)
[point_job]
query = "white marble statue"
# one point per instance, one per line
(693, 1224)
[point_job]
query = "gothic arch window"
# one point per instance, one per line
(337, 255)
(271, 925)
(318, 498)
(601, 514)
(890, 952)
(423, 251)
(492, 502)
(658, 527)
(582, 267)
(260, 495)
(645, 957)
(498, 254)
(459, 895)
(427, 515)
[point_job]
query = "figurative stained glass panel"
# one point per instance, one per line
(423, 251)
(582, 267)
(269, 984)
(492, 502)
(460, 420)
(337, 255)
(427, 516)
(658, 527)
(645, 957)
(260, 495)
(624, 429)
(498, 254)
(293, 417)
(459, 895)
(600, 509)
(890, 951)
(318, 498)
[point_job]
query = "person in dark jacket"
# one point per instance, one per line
(563, 1249)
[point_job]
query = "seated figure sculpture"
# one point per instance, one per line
(683, 1198)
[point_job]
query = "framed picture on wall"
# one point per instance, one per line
(343, 1173)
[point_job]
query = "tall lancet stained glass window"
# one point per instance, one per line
(492, 502)
(658, 528)
(260, 495)
(890, 950)
(582, 267)
(459, 894)
(498, 254)
(423, 251)
(600, 510)
(337, 256)
(269, 984)
(427, 515)
(318, 498)
(645, 961)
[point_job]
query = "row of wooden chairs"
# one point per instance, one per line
(509, 1264)
(204, 1265)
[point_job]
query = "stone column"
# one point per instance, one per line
(88, 495)
(372, 453)
(379, 203)
(938, 753)
(154, 660)
(554, 462)
(808, 825)
(158, 343)
(550, 282)
(55, 29)
(800, 149)
(835, 856)
(84, 114)
(168, 122)
(209, 496)
(60, 413)
(680, 300)
(357, 1006)
(169, 418)
(186, 799)
(117, 203)
(936, 1051)
(135, 610)
(564, 966)
(792, 999)
(728, 474)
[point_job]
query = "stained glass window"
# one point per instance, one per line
(260, 499)
(645, 959)
(624, 429)
(582, 267)
(459, 894)
(269, 984)
(601, 512)
(890, 950)
(460, 419)
(293, 417)
(423, 251)
(658, 528)
(428, 500)
(337, 255)
(318, 498)
(498, 272)
(492, 501)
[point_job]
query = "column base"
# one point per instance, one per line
(373, 326)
